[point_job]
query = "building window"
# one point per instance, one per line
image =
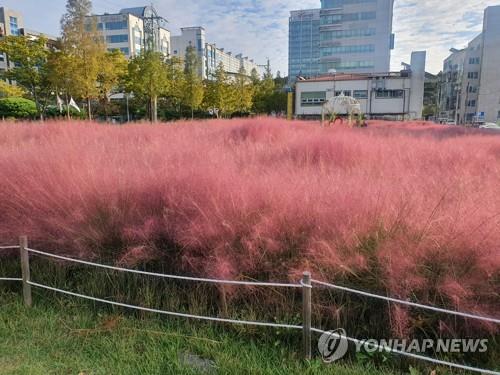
(121, 25)
(360, 94)
(343, 92)
(473, 75)
(340, 34)
(498, 115)
(117, 38)
(328, 4)
(311, 99)
(14, 28)
(389, 94)
(474, 60)
(471, 103)
(333, 19)
(472, 89)
(330, 51)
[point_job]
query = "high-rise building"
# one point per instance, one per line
(470, 85)
(351, 36)
(210, 55)
(11, 23)
(133, 30)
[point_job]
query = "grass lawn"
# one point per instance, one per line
(64, 337)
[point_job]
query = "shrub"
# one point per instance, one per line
(18, 108)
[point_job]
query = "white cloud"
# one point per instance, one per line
(259, 28)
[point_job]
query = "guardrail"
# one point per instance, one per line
(306, 285)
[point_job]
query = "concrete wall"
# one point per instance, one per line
(372, 105)
(417, 84)
(489, 92)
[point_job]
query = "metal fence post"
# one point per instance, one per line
(306, 314)
(25, 268)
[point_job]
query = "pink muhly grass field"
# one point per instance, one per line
(402, 209)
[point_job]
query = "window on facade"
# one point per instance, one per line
(389, 94)
(360, 94)
(498, 115)
(14, 28)
(474, 60)
(120, 25)
(473, 75)
(330, 51)
(309, 99)
(328, 4)
(340, 34)
(333, 19)
(117, 38)
(345, 92)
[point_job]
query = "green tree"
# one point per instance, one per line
(148, 77)
(111, 76)
(9, 91)
(175, 73)
(60, 72)
(82, 41)
(28, 57)
(243, 91)
(193, 85)
(218, 92)
(255, 77)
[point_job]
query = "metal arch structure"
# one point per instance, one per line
(340, 105)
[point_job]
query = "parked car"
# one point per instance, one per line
(490, 125)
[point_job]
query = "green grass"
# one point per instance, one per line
(65, 336)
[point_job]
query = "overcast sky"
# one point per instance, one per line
(259, 28)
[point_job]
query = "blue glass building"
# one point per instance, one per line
(350, 36)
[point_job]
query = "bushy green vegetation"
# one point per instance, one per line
(65, 336)
(18, 108)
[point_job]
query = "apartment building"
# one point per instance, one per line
(392, 95)
(349, 36)
(133, 30)
(11, 23)
(470, 85)
(210, 55)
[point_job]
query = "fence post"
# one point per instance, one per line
(25, 268)
(306, 314)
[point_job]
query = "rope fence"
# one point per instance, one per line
(306, 285)
(407, 303)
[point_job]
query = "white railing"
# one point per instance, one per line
(306, 285)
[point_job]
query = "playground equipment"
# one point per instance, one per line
(338, 106)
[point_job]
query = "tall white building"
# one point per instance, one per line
(134, 29)
(210, 55)
(470, 87)
(350, 36)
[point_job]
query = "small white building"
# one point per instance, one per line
(386, 95)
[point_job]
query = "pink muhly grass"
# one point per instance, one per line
(408, 210)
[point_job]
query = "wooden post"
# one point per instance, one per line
(306, 314)
(25, 268)
(223, 302)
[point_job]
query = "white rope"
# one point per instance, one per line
(182, 315)
(9, 247)
(216, 281)
(437, 309)
(10, 279)
(415, 356)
